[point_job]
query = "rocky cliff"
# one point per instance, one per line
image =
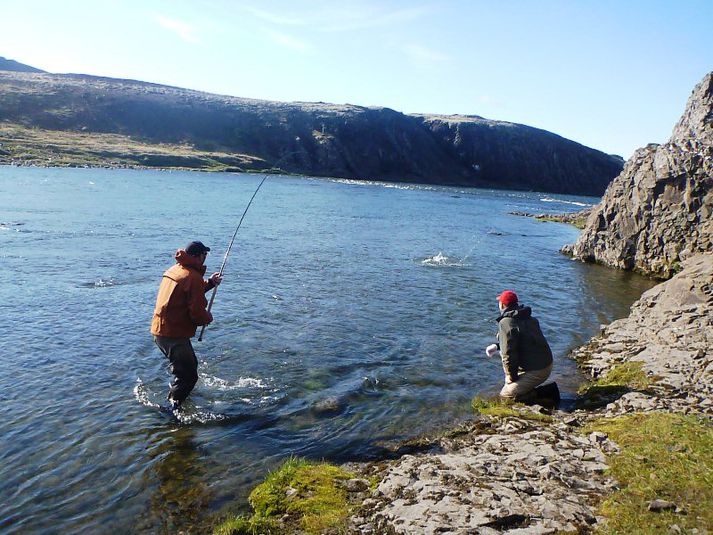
(659, 210)
(315, 139)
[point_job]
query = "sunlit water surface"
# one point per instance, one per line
(352, 315)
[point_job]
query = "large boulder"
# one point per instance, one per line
(659, 210)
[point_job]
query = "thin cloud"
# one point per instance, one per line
(273, 18)
(490, 101)
(288, 41)
(343, 17)
(421, 54)
(184, 30)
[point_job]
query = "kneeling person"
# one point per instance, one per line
(526, 355)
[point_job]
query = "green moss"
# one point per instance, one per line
(241, 525)
(309, 493)
(621, 379)
(579, 222)
(664, 456)
(504, 408)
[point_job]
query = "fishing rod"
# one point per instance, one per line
(230, 245)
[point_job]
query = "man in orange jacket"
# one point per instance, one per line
(181, 307)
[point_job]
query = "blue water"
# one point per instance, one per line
(352, 315)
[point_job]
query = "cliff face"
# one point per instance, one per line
(659, 210)
(316, 139)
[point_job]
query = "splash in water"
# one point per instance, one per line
(242, 382)
(441, 260)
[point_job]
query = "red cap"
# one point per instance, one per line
(507, 298)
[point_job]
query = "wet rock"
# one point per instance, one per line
(327, 406)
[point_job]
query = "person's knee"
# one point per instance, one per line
(509, 391)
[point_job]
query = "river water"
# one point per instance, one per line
(352, 315)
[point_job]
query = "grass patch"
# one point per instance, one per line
(664, 456)
(504, 408)
(37, 146)
(241, 525)
(309, 493)
(579, 222)
(621, 379)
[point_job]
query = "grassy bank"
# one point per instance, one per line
(622, 378)
(35, 146)
(300, 496)
(663, 457)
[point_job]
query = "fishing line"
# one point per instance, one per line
(227, 252)
(230, 245)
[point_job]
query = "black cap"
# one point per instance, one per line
(196, 248)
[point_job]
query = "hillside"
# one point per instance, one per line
(315, 139)
(12, 65)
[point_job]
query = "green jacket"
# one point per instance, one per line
(522, 344)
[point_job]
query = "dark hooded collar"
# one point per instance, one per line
(515, 311)
(190, 262)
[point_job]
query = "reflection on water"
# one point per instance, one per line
(182, 490)
(351, 316)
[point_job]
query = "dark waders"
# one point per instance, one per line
(184, 366)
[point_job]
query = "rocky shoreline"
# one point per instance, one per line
(517, 474)
(533, 470)
(578, 219)
(636, 455)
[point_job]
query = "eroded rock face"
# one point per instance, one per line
(659, 210)
(670, 332)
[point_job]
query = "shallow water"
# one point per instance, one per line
(351, 315)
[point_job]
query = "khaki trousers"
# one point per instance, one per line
(526, 383)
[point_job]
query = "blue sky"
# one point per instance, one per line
(613, 75)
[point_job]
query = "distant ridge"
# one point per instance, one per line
(12, 65)
(218, 132)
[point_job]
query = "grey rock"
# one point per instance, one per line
(659, 210)
(356, 485)
(597, 437)
(661, 505)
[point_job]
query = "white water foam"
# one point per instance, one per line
(242, 382)
(141, 393)
(101, 283)
(441, 260)
(393, 185)
(198, 417)
(576, 203)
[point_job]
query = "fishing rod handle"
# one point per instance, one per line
(210, 305)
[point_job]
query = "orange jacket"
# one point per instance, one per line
(181, 303)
